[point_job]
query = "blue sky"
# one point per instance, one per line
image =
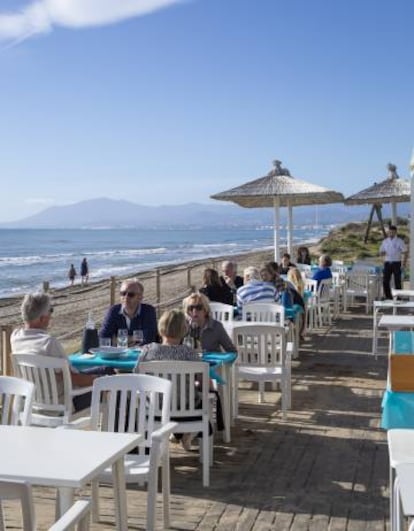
(168, 101)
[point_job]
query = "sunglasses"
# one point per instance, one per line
(197, 307)
(128, 293)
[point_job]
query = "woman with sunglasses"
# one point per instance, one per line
(131, 314)
(206, 333)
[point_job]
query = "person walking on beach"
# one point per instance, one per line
(84, 271)
(392, 248)
(72, 274)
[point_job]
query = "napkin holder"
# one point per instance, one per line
(402, 372)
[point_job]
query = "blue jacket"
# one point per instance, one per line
(145, 321)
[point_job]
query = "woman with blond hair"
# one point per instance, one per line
(205, 332)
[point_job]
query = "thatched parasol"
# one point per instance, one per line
(391, 190)
(278, 189)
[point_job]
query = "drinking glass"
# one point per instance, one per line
(138, 337)
(105, 342)
(122, 341)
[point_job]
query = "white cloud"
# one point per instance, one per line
(41, 16)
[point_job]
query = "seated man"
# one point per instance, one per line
(254, 289)
(33, 338)
(131, 314)
(230, 276)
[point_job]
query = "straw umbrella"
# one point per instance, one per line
(278, 189)
(391, 190)
(411, 248)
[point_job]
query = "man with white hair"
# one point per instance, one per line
(254, 289)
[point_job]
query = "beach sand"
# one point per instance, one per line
(72, 304)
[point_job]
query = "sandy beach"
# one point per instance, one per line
(72, 304)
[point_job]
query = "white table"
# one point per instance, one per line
(402, 293)
(396, 322)
(401, 450)
(66, 459)
(378, 308)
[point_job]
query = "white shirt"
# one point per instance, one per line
(393, 248)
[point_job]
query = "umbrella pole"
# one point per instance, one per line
(276, 224)
(290, 229)
(394, 213)
(411, 245)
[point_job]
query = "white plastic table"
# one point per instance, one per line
(67, 459)
(379, 307)
(402, 293)
(404, 495)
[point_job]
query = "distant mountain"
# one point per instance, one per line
(111, 213)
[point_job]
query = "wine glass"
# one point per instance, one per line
(105, 342)
(122, 340)
(138, 337)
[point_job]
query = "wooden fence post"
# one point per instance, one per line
(189, 277)
(158, 285)
(46, 286)
(6, 365)
(112, 291)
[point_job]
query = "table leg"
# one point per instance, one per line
(65, 500)
(225, 401)
(121, 513)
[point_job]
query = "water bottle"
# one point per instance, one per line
(90, 335)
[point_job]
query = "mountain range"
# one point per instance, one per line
(111, 213)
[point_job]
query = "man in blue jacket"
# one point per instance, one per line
(131, 314)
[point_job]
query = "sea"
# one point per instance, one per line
(28, 257)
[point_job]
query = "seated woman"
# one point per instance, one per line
(303, 256)
(324, 270)
(172, 328)
(285, 264)
(270, 273)
(215, 289)
(295, 279)
(205, 332)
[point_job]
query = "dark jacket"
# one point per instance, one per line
(218, 293)
(146, 321)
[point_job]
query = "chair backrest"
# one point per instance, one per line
(130, 403)
(324, 289)
(311, 285)
(264, 312)
(260, 345)
(305, 268)
(222, 312)
(16, 400)
(52, 381)
(78, 513)
(358, 281)
(190, 385)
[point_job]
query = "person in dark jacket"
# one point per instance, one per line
(132, 314)
(215, 289)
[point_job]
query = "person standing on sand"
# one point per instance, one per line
(392, 249)
(84, 271)
(72, 274)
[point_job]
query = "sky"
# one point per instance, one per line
(171, 101)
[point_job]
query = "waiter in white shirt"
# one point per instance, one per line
(392, 248)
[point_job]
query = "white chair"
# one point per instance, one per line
(78, 514)
(16, 399)
(223, 313)
(190, 404)
(264, 356)
(311, 287)
(305, 269)
(139, 403)
(323, 302)
(264, 312)
(52, 404)
(359, 283)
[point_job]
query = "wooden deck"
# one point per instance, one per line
(325, 468)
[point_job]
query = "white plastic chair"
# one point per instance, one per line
(190, 408)
(78, 514)
(305, 269)
(264, 312)
(137, 403)
(264, 356)
(223, 313)
(52, 404)
(16, 399)
(323, 302)
(359, 283)
(311, 286)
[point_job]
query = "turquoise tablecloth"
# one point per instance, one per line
(398, 407)
(129, 360)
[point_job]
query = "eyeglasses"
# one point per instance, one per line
(128, 293)
(197, 307)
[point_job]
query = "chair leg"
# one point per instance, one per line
(2, 525)
(152, 500)
(206, 455)
(261, 392)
